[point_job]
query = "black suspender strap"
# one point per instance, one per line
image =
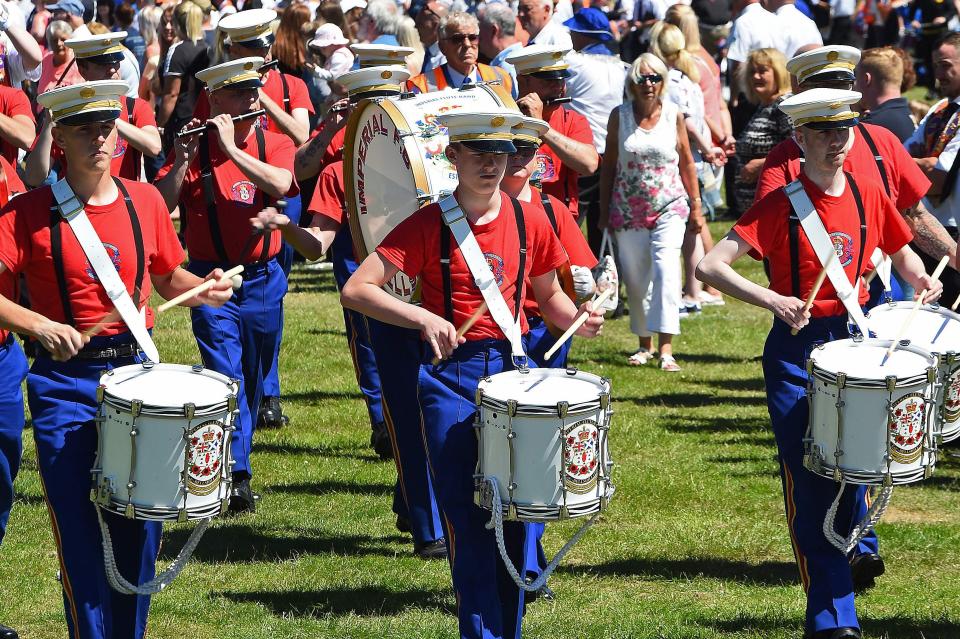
(876, 157)
(56, 252)
(863, 221)
(137, 241)
(521, 270)
(286, 93)
(794, 237)
(548, 207)
(262, 156)
(209, 195)
(131, 102)
(445, 271)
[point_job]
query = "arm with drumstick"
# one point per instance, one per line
(931, 287)
(816, 289)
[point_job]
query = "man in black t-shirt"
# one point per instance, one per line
(181, 87)
(878, 77)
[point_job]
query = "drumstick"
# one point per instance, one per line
(816, 288)
(577, 323)
(955, 304)
(196, 290)
(477, 314)
(109, 318)
(916, 307)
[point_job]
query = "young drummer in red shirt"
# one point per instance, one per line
(489, 603)
(67, 298)
(822, 128)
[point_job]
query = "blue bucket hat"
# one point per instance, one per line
(590, 22)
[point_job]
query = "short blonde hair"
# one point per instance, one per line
(683, 17)
(884, 64)
(768, 57)
(653, 63)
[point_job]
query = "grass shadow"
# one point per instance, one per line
(320, 395)
(752, 384)
(367, 601)
(767, 573)
(321, 450)
(619, 358)
(28, 500)
(689, 400)
(715, 424)
(237, 543)
(327, 487)
(327, 331)
(884, 628)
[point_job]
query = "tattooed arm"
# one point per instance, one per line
(929, 235)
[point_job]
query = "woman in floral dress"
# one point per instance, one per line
(649, 198)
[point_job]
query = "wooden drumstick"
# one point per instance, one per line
(956, 303)
(477, 314)
(199, 288)
(97, 328)
(577, 323)
(916, 307)
(816, 289)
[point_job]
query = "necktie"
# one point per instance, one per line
(940, 130)
(466, 82)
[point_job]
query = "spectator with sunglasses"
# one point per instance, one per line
(428, 27)
(649, 197)
(460, 43)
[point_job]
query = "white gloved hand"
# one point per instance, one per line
(323, 74)
(583, 283)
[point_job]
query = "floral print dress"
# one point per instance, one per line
(647, 185)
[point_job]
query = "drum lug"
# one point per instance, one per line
(809, 367)
(572, 371)
(136, 406)
(887, 480)
(891, 382)
(188, 412)
(927, 472)
(511, 411)
(837, 475)
(231, 403)
(128, 511)
(512, 512)
(562, 409)
(197, 368)
(181, 516)
(931, 375)
(564, 512)
(100, 390)
(478, 398)
(604, 401)
(841, 379)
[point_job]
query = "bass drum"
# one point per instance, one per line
(394, 162)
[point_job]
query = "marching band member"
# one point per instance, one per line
(516, 241)
(856, 212)
(396, 350)
(460, 43)
(287, 102)
(98, 57)
(219, 177)
(13, 363)
(35, 240)
(875, 154)
(567, 151)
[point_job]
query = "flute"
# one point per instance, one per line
(273, 64)
(237, 118)
(553, 101)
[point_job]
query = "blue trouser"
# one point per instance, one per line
(364, 362)
(13, 364)
(271, 384)
(63, 404)
(824, 570)
(877, 292)
(397, 351)
(240, 341)
(489, 603)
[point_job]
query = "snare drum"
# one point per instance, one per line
(394, 161)
(870, 424)
(543, 439)
(937, 330)
(164, 442)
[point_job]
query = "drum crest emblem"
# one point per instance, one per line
(495, 262)
(545, 170)
(951, 398)
(907, 427)
(243, 191)
(843, 245)
(205, 447)
(114, 253)
(121, 147)
(581, 456)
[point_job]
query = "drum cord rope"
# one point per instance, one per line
(496, 522)
(161, 581)
(875, 512)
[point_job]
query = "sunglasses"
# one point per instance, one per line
(652, 78)
(460, 38)
(524, 152)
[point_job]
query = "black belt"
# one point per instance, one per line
(114, 352)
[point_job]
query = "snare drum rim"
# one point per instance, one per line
(602, 384)
(932, 308)
(823, 374)
(169, 410)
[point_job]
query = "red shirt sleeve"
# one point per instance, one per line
(143, 115)
(763, 226)
(328, 198)
(776, 170)
(14, 183)
(547, 252)
(15, 241)
(894, 232)
(911, 183)
(571, 237)
(17, 103)
(280, 152)
(299, 96)
(405, 246)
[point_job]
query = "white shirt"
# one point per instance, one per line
(562, 11)
(948, 213)
(553, 34)
(796, 30)
(754, 28)
(14, 62)
(843, 8)
(432, 57)
(130, 73)
(596, 85)
(457, 78)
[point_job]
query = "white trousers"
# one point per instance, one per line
(650, 268)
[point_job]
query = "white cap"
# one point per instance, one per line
(822, 108)
(100, 49)
(838, 61)
(374, 81)
(235, 74)
(249, 28)
(543, 60)
(328, 34)
(78, 104)
(380, 55)
(485, 132)
(529, 130)
(347, 5)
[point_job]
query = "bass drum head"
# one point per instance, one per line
(394, 162)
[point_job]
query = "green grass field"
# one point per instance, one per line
(694, 545)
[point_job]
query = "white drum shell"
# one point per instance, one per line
(937, 330)
(529, 452)
(394, 162)
(180, 463)
(853, 440)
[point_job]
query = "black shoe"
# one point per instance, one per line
(834, 633)
(403, 524)
(8, 633)
(242, 498)
(432, 550)
(864, 569)
(271, 413)
(380, 441)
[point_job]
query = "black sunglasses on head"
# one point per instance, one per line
(652, 78)
(460, 38)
